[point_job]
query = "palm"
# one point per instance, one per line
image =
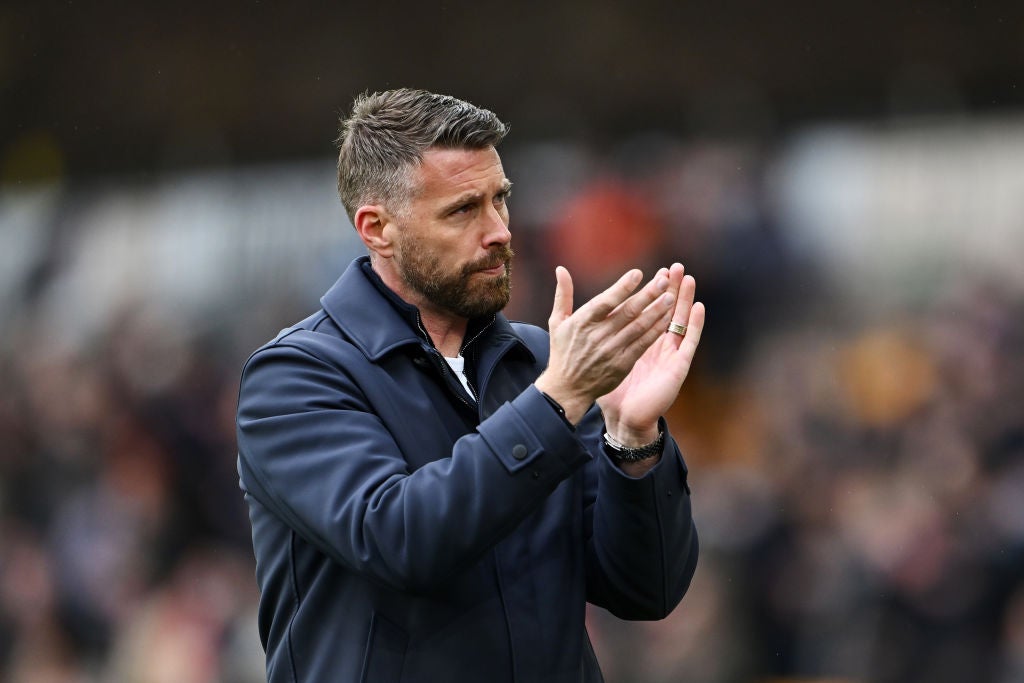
(652, 385)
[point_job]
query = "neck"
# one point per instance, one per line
(446, 332)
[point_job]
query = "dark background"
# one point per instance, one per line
(123, 87)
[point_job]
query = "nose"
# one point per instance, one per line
(497, 231)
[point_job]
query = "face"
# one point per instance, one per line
(451, 243)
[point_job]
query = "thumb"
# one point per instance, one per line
(562, 307)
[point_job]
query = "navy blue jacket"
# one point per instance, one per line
(406, 532)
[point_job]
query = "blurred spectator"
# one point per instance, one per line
(856, 471)
(602, 232)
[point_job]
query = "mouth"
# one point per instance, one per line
(495, 270)
(496, 264)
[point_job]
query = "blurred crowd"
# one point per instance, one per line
(859, 498)
(124, 554)
(857, 472)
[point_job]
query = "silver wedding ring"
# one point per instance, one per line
(676, 328)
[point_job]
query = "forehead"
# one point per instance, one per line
(444, 172)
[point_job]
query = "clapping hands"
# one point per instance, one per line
(616, 349)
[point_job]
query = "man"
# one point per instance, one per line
(435, 492)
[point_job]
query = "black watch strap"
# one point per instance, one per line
(624, 453)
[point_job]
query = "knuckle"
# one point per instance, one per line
(631, 311)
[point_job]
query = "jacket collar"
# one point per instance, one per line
(378, 321)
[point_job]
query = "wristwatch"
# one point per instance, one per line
(624, 453)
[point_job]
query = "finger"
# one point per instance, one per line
(604, 303)
(647, 327)
(658, 318)
(633, 307)
(694, 328)
(562, 306)
(675, 276)
(687, 291)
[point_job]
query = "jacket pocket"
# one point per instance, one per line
(385, 652)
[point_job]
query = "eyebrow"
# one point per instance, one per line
(473, 197)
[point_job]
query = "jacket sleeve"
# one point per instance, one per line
(641, 540)
(312, 451)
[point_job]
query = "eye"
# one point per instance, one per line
(502, 197)
(465, 208)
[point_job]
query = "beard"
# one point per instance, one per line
(460, 291)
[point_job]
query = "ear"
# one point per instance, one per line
(371, 222)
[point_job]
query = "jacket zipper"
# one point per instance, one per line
(442, 364)
(462, 352)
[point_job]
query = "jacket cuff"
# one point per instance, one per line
(669, 474)
(527, 431)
